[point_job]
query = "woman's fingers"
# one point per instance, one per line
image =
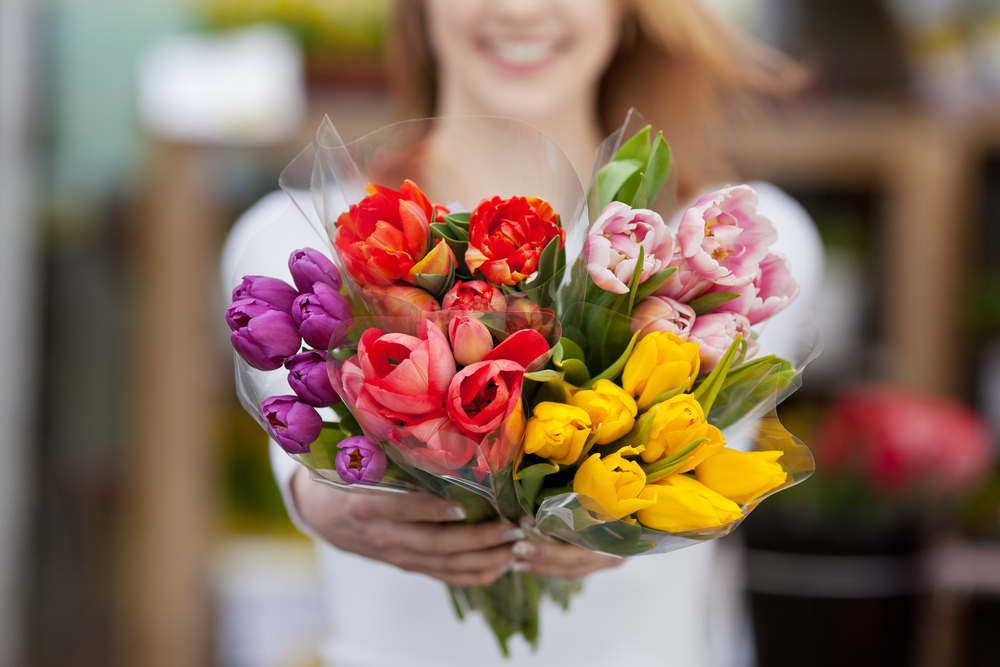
(553, 559)
(401, 507)
(439, 539)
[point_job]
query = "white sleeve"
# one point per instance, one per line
(268, 209)
(800, 242)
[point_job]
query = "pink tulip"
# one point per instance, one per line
(397, 377)
(435, 442)
(470, 339)
(658, 313)
(776, 288)
(612, 247)
(715, 332)
(723, 238)
(685, 284)
(747, 294)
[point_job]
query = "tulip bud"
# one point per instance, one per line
(271, 291)
(294, 424)
(660, 363)
(678, 422)
(613, 481)
(318, 315)
(401, 301)
(309, 266)
(263, 335)
(557, 431)
(525, 314)
(470, 339)
(610, 409)
(307, 376)
(715, 332)
(438, 262)
(680, 503)
(474, 296)
(741, 476)
(657, 313)
(359, 460)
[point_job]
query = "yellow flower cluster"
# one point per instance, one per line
(680, 441)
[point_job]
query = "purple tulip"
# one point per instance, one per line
(318, 315)
(309, 266)
(262, 335)
(294, 424)
(308, 378)
(271, 291)
(360, 460)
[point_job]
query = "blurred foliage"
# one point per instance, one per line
(983, 310)
(981, 513)
(252, 502)
(350, 29)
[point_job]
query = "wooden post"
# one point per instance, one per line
(169, 501)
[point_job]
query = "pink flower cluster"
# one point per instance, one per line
(722, 245)
(410, 391)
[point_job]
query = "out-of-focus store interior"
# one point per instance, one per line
(140, 521)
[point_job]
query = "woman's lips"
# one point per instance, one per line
(521, 56)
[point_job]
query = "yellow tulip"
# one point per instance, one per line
(661, 362)
(558, 432)
(741, 476)
(678, 422)
(609, 407)
(681, 503)
(710, 447)
(613, 481)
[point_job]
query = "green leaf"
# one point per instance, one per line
(703, 305)
(658, 166)
(657, 471)
(636, 148)
(437, 285)
(653, 283)
(709, 389)
(459, 219)
(553, 391)
(615, 369)
(633, 285)
(639, 435)
(571, 350)
(665, 396)
(344, 353)
(641, 198)
(444, 231)
(546, 264)
(544, 376)
(612, 176)
(458, 232)
(577, 372)
(538, 470)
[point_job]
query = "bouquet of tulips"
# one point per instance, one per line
(575, 378)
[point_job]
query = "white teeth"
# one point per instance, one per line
(523, 53)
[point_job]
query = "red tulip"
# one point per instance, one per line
(482, 395)
(524, 347)
(386, 234)
(474, 296)
(436, 441)
(507, 236)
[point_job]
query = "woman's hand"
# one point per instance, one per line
(559, 559)
(414, 531)
(417, 532)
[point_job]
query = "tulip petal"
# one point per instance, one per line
(523, 347)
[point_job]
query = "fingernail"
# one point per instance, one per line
(455, 512)
(512, 535)
(524, 548)
(518, 566)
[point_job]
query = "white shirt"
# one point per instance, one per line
(652, 610)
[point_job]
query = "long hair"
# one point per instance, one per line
(688, 72)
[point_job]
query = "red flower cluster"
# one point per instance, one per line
(507, 236)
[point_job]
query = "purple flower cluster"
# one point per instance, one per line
(270, 319)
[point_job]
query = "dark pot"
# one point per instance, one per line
(832, 595)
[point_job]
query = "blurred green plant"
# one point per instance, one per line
(347, 29)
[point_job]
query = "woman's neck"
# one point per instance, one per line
(574, 127)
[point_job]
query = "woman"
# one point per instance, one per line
(572, 68)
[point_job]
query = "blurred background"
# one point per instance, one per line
(139, 523)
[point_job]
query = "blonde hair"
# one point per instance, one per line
(682, 67)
